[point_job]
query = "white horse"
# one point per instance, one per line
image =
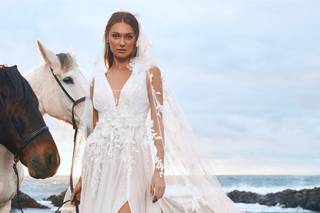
(52, 101)
(57, 104)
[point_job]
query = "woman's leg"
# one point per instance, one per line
(125, 208)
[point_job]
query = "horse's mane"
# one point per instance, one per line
(66, 60)
(11, 77)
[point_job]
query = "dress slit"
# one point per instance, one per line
(123, 204)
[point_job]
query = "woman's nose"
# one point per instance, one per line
(122, 43)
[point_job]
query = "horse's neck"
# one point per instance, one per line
(47, 91)
(39, 81)
(37, 77)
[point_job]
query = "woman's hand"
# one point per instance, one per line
(75, 198)
(157, 187)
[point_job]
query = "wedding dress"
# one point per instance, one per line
(118, 155)
(117, 163)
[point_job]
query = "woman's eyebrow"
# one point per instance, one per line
(131, 33)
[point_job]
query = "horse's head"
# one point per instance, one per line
(22, 127)
(52, 98)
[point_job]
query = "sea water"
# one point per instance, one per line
(262, 184)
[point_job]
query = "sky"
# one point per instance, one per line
(246, 73)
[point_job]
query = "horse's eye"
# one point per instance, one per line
(68, 80)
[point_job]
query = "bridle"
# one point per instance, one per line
(41, 130)
(75, 127)
(74, 102)
(26, 140)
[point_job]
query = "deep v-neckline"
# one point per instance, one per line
(120, 91)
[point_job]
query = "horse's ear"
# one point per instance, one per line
(49, 58)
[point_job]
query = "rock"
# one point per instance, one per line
(57, 200)
(26, 202)
(244, 197)
(306, 198)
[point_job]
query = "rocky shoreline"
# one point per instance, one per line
(26, 202)
(307, 199)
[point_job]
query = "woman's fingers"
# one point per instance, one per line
(152, 189)
(76, 194)
(159, 191)
(155, 199)
(75, 198)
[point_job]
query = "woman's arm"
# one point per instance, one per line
(155, 95)
(156, 115)
(95, 116)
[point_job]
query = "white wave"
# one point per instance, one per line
(265, 190)
(257, 208)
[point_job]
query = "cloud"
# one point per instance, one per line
(245, 72)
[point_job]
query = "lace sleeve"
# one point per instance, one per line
(155, 94)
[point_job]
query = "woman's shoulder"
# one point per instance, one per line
(154, 73)
(154, 70)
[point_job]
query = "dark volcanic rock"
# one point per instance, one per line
(57, 200)
(244, 197)
(306, 198)
(26, 202)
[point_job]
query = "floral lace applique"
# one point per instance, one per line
(197, 198)
(114, 137)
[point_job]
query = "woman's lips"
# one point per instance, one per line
(121, 50)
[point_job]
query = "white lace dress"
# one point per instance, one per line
(117, 161)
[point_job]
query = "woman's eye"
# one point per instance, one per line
(115, 36)
(68, 80)
(129, 37)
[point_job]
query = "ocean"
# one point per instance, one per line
(40, 189)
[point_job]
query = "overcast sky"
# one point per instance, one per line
(245, 72)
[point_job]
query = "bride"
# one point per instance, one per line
(138, 142)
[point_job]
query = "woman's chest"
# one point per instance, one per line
(133, 95)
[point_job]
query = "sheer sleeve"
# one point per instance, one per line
(155, 95)
(184, 165)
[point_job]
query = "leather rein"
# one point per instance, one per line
(75, 127)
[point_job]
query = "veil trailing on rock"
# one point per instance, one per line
(184, 168)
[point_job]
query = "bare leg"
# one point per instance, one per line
(125, 208)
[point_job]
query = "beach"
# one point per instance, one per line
(262, 184)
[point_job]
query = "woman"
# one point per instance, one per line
(123, 160)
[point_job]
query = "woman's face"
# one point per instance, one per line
(122, 40)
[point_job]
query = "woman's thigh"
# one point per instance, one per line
(125, 208)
